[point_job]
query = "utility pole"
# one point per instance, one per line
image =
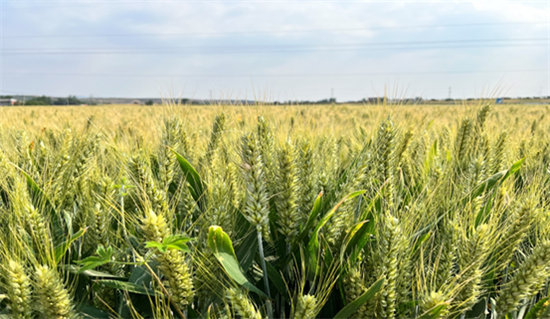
(332, 94)
(450, 89)
(210, 95)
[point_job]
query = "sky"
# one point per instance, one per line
(275, 50)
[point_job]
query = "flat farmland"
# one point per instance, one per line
(295, 211)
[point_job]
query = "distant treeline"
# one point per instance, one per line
(46, 100)
(73, 100)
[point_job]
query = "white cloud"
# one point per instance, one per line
(515, 11)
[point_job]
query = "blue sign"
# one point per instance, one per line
(499, 101)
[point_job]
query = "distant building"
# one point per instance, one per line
(7, 102)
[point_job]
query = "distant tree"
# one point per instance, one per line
(325, 101)
(150, 102)
(70, 100)
(42, 100)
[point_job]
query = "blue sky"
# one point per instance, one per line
(275, 50)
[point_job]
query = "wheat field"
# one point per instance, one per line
(325, 211)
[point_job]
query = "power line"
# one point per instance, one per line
(458, 25)
(295, 46)
(271, 75)
(271, 51)
(86, 2)
(281, 50)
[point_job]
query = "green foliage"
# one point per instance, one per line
(177, 242)
(222, 247)
(104, 256)
(62, 248)
(352, 307)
